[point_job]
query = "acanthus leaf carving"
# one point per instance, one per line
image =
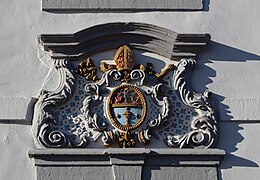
(159, 94)
(93, 97)
(204, 126)
(47, 131)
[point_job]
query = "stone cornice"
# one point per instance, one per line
(139, 36)
(155, 156)
(120, 6)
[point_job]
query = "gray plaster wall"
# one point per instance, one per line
(228, 67)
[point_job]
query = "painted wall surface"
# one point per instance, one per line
(228, 67)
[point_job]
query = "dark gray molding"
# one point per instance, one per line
(115, 156)
(120, 6)
(139, 36)
(126, 163)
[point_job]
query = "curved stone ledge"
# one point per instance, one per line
(139, 36)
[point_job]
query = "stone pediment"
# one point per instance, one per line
(138, 36)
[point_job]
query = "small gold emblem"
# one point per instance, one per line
(88, 70)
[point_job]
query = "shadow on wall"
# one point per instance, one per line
(206, 4)
(215, 51)
(229, 135)
(229, 138)
(203, 74)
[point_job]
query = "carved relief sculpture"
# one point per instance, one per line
(130, 105)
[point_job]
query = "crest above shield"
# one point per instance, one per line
(124, 58)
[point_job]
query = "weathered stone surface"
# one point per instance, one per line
(243, 109)
(74, 172)
(180, 173)
(127, 172)
(15, 140)
(16, 110)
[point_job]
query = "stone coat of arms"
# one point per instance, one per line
(128, 105)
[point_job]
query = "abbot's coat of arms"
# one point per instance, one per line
(124, 104)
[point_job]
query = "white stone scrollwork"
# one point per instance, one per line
(203, 126)
(144, 136)
(109, 137)
(93, 98)
(159, 95)
(138, 75)
(46, 126)
(115, 74)
(177, 115)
